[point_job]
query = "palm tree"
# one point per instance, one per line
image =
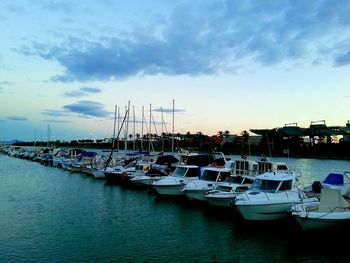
(226, 133)
(221, 135)
(200, 135)
(245, 136)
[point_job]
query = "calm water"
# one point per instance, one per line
(47, 214)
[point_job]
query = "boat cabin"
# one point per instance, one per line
(267, 166)
(215, 175)
(186, 171)
(246, 167)
(273, 183)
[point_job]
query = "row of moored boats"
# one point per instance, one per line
(259, 190)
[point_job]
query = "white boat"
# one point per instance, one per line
(196, 189)
(149, 178)
(161, 168)
(245, 171)
(271, 197)
(225, 193)
(331, 212)
(173, 184)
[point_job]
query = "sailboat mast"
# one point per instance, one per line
(161, 110)
(127, 128)
(118, 128)
(115, 117)
(133, 111)
(150, 128)
(172, 141)
(143, 117)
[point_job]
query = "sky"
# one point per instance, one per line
(228, 65)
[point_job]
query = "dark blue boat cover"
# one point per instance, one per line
(334, 179)
(87, 154)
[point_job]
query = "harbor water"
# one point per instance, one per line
(51, 215)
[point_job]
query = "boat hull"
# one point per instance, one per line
(113, 178)
(197, 195)
(73, 168)
(263, 212)
(98, 174)
(222, 200)
(322, 221)
(146, 181)
(169, 189)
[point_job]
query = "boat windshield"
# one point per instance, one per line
(209, 175)
(179, 172)
(265, 185)
(234, 179)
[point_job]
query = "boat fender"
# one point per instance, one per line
(124, 175)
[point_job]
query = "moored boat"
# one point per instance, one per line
(271, 197)
(333, 211)
(211, 176)
(173, 184)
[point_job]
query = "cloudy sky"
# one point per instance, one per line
(229, 65)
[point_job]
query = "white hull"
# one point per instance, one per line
(222, 200)
(321, 224)
(274, 211)
(322, 221)
(98, 174)
(146, 180)
(196, 194)
(74, 168)
(169, 189)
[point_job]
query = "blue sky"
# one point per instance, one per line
(229, 65)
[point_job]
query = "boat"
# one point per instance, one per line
(149, 178)
(271, 197)
(225, 193)
(244, 173)
(334, 180)
(163, 166)
(211, 176)
(173, 184)
(332, 212)
(139, 169)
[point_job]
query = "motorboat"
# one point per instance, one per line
(162, 167)
(333, 211)
(225, 193)
(149, 177)
(244, 166)
(195, 189)
(244, 173)
(173, 184)
(271, 197)
(139, 169)
(334, 180)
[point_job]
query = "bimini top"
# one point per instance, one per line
(334, 179)
(277, 176)
(166, 159)
(198, 159)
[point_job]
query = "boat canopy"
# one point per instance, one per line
(166, 159)
(87, 154)
(200, 160)
(334, 179)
